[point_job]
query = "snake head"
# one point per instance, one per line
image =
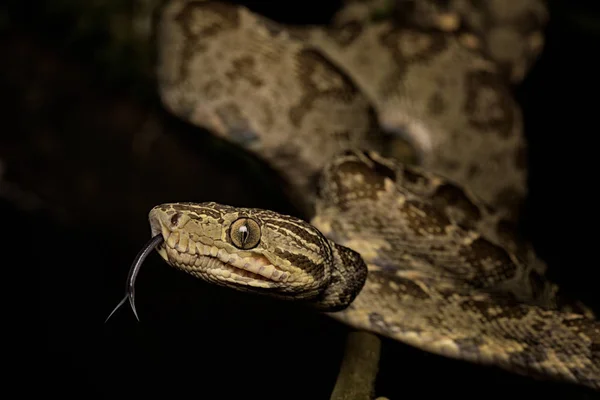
(257, 251)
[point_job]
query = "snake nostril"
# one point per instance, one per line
(175, 218)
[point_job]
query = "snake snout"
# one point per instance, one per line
(158, 219)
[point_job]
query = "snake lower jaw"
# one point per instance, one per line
(216, 265)
(212, 269)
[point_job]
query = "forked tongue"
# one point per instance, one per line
(133, 272)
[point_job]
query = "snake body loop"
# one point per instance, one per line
(422, 254)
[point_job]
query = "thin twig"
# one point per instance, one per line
(356, 379)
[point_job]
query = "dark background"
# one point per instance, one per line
(86, 150)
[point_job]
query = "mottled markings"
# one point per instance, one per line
(533, 355)
(412, 46)
(449, 195)
(423, 219)
(587, 376)
(469, 346)
(199, 19)
(348, 274)
(497, 307)
(386, 263)
(354, 180)
(345, 34)
(410, 288)
(381, 169)
(492, 262)
(377, 320)
(232, 118)
(198, 22)
(488, 104)
(380, 324)
(502, 320)
(588, 329)
(213, 90)
(244, 69)
(320, 79)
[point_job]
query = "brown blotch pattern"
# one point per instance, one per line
(243, 68)
(409, 288)
(349, 188)
(502, 305)
(591, 332)
(424, 219)
(411, 46)
(448, 195)
(200, 21)
(492, 263)
(320, 79)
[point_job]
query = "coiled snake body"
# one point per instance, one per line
(422, 254)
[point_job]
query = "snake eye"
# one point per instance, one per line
(245, 233)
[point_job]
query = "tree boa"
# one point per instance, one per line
(425, 254)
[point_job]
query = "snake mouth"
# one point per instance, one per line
(213, 269)
(209, 262)
(216, 264)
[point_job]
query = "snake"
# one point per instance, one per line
(402, 136)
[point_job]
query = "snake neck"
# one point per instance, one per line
(348, 277)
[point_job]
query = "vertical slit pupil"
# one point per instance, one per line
(244, 233)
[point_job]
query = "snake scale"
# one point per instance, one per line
(425, 254)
